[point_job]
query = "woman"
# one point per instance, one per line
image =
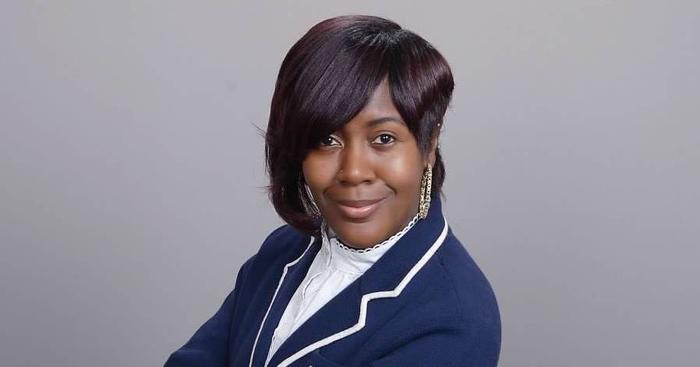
(367, 271)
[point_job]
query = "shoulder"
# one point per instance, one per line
(453, 290)
(282, 245)
(471, 289)
(284, 239)
(475, 305)
(457, 314)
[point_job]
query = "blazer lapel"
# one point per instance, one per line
(345, 314)
(292, 275)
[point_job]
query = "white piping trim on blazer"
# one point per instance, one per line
(279, 284)
(368, 297)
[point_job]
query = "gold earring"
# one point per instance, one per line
(314, 211)
(425, 188)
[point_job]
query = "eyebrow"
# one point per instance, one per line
(381, 120)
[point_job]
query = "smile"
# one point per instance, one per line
(359, 209)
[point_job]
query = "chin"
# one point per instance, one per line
(361, 235)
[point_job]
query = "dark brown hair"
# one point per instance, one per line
(327, 77)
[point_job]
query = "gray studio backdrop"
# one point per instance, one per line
(132, 181)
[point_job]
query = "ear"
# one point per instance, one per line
(431, 156)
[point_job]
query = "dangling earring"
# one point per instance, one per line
(315, 212)
(425, 188)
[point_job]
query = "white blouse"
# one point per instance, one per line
(334, 268)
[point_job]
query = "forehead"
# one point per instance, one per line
(379, 105)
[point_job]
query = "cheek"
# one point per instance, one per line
(318, 171)
(403, 173)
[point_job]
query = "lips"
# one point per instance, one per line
(359, 209)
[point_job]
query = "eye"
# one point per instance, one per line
(329, 141)
(384, 139)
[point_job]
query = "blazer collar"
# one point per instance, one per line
(345, 314)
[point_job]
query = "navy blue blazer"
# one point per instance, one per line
(423, 303)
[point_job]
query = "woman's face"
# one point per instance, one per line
(365, 177)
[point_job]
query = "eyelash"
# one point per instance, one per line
(393, 139)
(323, 141)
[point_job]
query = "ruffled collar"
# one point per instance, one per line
(353, 260)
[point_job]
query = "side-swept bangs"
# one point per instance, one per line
(327, 77)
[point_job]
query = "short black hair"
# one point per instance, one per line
(327, 77)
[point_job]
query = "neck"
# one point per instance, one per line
(328, 232)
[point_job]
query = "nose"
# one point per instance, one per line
(355, 165)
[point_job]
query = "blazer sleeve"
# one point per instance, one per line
(208, 347)
(445, 343)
